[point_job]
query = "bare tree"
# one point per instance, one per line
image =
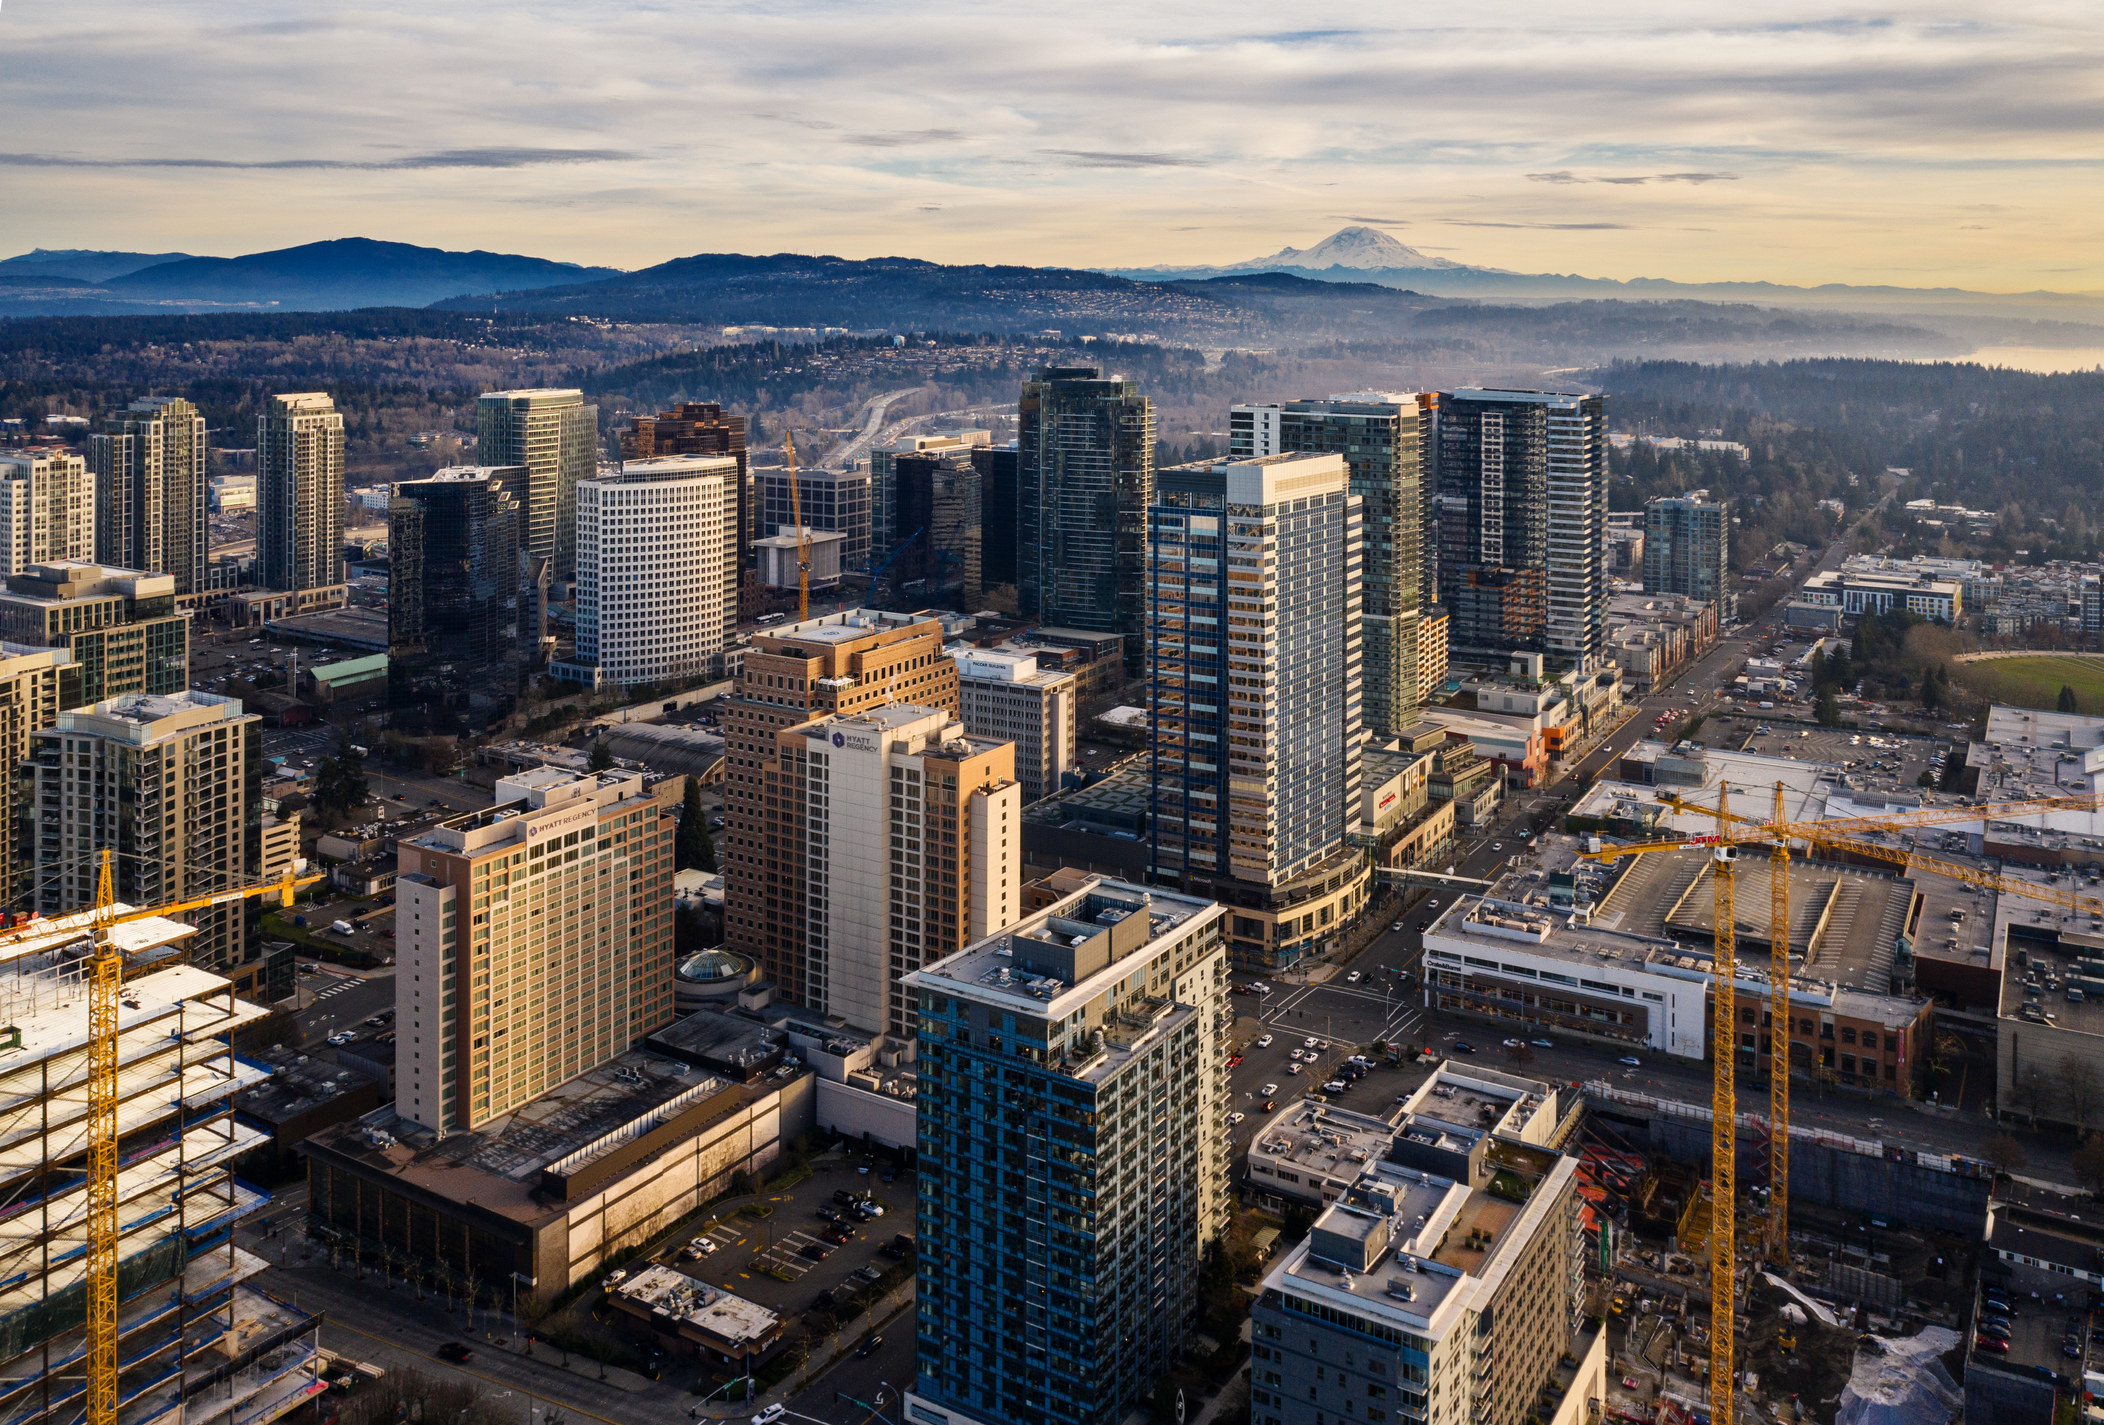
(2004, 1152)
(2028, 1093)
(2078, 1085)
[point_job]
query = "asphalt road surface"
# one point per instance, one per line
(863, 1390)
(341, 1003)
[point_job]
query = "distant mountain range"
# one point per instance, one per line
(1364, 254)
(337, 275)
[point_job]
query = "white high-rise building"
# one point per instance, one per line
(657, 571)
(47, 510)
(913, 848)
(299, 494)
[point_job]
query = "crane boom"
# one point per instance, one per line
(105, 983)
(803, 536)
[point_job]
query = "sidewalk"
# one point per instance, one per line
(840, 1344)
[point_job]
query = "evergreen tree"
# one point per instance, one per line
(1827, 711)
(339, 783)
(602, 758)
(692, 848)
(2067, 699)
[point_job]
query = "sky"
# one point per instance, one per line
(1934, 144)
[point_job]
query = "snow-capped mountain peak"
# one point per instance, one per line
(1362, 248)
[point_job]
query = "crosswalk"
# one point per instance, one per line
(1345, 1009)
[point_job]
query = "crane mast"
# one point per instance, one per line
(803, 536)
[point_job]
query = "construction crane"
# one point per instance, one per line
(1843, 834)
(105, 982)
(803, 536)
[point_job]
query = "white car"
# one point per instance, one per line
(771, 1414)
(1267, 1091)
(1264, 1041)
(1292, 1068)
(1512, 1043)
(1307, 1043)
(1236, 1117)
(1352, 978)
(1296, 1055)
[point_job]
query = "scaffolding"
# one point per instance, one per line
(194, 1340)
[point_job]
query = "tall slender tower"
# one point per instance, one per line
(149, 466)
(299, 493)
(47, 510)
(1084, 480)
(555, 435)
(1378, 434)
(453, 586)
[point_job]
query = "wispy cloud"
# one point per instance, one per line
(1098, 158)
(1370, 222)
(448, 158)
(1564, 175)
(1543, 227)
(901, 138)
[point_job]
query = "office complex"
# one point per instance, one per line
(1071, 1117)
(1381, 437)
(299, 494)
(832, 500)
(149, 467)
(996, 465)
(912, 847)
(199, 1338)
(697, 428)
(885, 531)
(47, 509)
(657, 571)
(1253, 640)
(122, 626)
(173, 785)
(1084, 480)
(1523, 485)
(534, 940)
(453, 586)
(1445, 1284)
(844, 664)
(938, 504)
(555, 435)
(1006, 693)
(1687, 549)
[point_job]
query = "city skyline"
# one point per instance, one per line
(1938, 148)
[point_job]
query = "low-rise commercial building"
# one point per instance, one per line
(1860, 591)
(685, 1316)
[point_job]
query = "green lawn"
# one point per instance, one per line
(2036, 682)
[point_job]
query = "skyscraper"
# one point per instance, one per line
(939, 495)
(299, 494)
(1530, 468)
(996, 465)
(1084, 480)
(852, 662)
(47, 509)
(122, 626)
(149, 466)
(657, 571)
(555, 435)
(1687, 549)
(1253, 639)
(913, 848)
(535, 939)
(453, 586)
(173, 785)
(1071, 1123)
(699, 428)
(886, 534)
(1379, 436)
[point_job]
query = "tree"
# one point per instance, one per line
(2004, 1152)
(1931, 691)
(339, 783)
(692, 848)
(2067, 699)
(2078, 1083)
(602, 758)
(1826, 711)
(2089, 1163)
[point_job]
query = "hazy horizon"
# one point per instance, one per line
(1936, 148)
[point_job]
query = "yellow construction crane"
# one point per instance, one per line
(105, 981)
(1844, 834)
(803, 536)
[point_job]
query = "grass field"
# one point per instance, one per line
(2036, 682)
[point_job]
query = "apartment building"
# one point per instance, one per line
(533, 940)
(1253, 640)
(555, 435)
(1008, 695)
(121, 625)
(1444, 1286)
(1687, 549)
(47, 509)
(299, 494)
(657, 571)
(35, 683)
(912, 848)
(1380, 437)
(173, 785)
(1071, 1122)
(149, 470)
(846, 663)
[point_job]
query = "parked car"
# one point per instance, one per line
(454, 1351)
(843, 1196)
(816, 1251)
(838, 1236)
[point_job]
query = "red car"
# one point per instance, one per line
(1234, 1061)
(1990, 1343)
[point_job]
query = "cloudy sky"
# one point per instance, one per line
(1930, 144)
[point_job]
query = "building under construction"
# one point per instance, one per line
(197, 1341)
